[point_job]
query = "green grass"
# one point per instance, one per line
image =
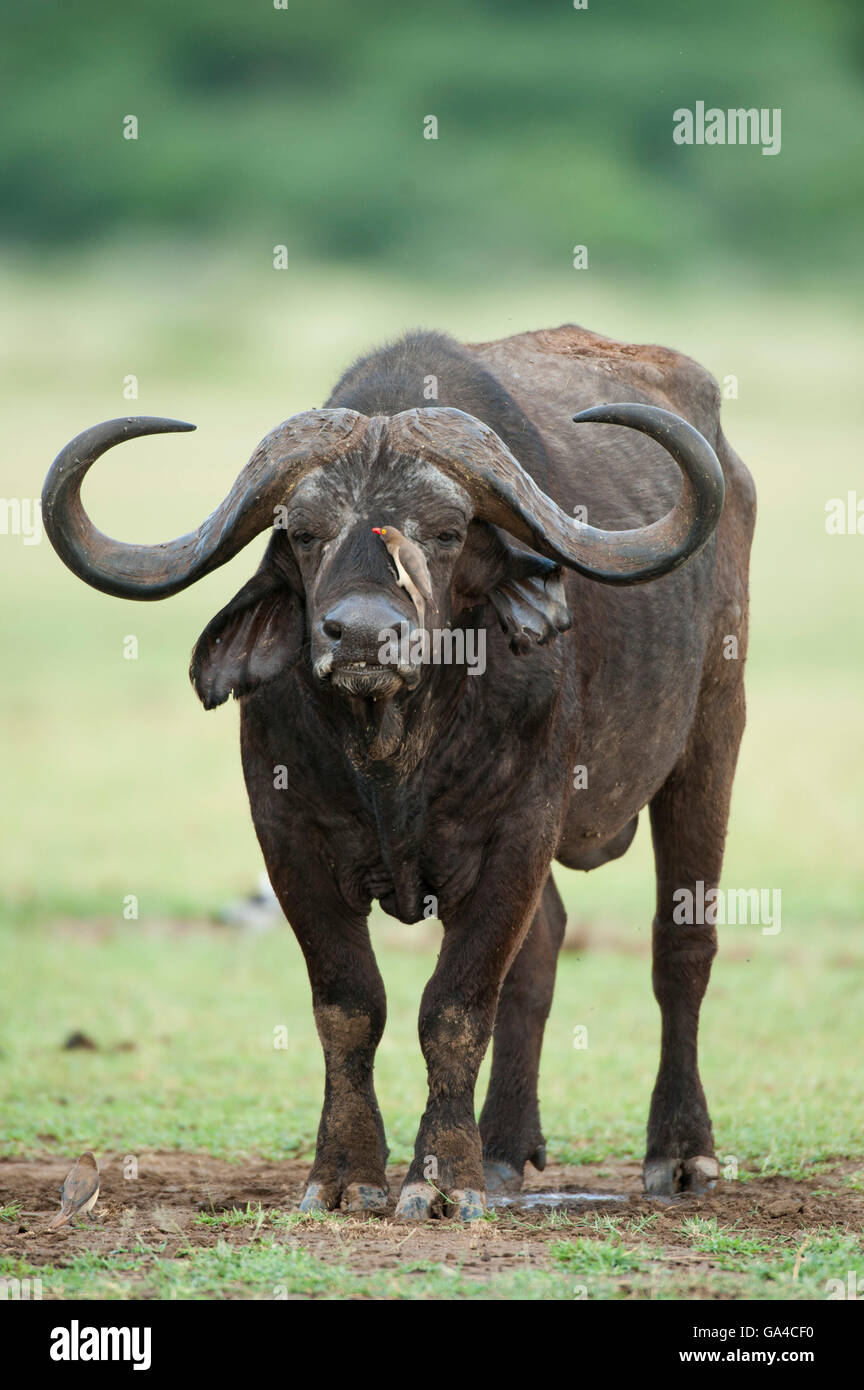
(117, 783)
(587, 1257)
(256, 1216)
(579, 1268)
(272, 1270)
(707, 1235)
(200, 1006)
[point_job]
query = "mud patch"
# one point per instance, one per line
(164, 1202)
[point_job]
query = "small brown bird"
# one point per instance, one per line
(79, 1192)
(412, 571)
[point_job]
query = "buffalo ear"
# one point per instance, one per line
(530, 601)
(254, 637)
(526, 590)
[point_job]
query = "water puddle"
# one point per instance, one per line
(530, 1201)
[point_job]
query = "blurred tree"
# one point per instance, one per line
(304, 126)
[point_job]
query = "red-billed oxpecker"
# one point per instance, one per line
(412, 570)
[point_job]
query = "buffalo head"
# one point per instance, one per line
(324, 481)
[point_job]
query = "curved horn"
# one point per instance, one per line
(503, 493)
(157, 571)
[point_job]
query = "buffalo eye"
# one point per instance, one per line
(448, 537)
(304, 538)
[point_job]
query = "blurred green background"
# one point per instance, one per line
(303, 127)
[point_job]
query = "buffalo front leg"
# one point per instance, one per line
(688, 823)
(510, 1122)
(350, 1011)
(457, 1014)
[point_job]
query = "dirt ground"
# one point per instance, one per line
(172, 1189)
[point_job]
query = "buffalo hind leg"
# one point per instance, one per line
(510, 1122)
(688, 825)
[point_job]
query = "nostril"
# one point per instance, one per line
(332, 629)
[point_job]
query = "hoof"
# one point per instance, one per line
(415, 1202)
(314, 1199)
(500, 1178)
(538, 1158)
(354, 1197)
(364, 1196)
(666, 1177)
(419, 1201)
(470, 1204)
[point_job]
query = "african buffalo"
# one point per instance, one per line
(432, 788)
